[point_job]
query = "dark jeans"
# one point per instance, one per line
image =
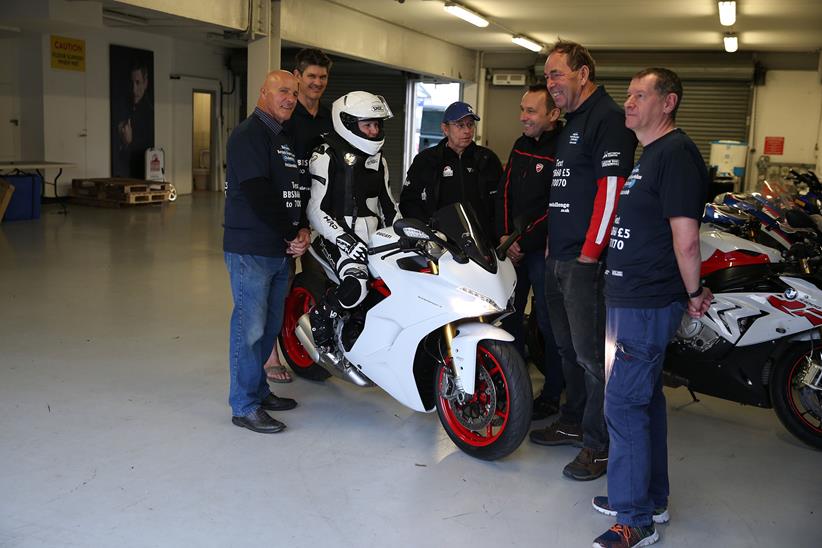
(531, 272)
(635, 410)
(574, 293)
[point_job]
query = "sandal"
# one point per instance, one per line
(277, 373)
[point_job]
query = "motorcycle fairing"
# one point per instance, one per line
(385, 349)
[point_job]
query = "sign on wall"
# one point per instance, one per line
(131, 88)
(774, 146)
(68, 53)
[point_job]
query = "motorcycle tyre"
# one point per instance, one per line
(780, 386)
(305, 292)
(513, 372)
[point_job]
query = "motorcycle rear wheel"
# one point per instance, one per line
(305, 292)
(492, 423)
(798, 407)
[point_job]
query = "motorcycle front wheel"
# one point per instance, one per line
(492, 422)
(305, 292)
(798, 406)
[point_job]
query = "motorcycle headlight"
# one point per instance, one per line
(484, 298)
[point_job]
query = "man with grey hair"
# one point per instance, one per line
(594, 156)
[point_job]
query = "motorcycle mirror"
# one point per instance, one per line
(414, 229)
(799, 219)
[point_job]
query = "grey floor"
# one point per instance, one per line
(115, 429)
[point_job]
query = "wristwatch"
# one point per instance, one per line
(696, 293)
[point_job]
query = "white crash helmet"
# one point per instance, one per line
(357, 106)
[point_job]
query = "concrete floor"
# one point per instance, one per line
(115, 429)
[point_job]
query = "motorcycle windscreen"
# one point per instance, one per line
(462, 228)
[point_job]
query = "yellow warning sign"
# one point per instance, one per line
(68, 53)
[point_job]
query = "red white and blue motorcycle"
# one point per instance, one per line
(760, 342)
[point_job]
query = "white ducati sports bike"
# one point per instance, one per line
(426, 332)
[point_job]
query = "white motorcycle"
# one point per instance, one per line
(760, 342)
(425, 334)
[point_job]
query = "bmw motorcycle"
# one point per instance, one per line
(426, 332)
(760, 342)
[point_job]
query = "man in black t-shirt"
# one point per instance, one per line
(652, 277)
(264, 226)
(594, 156)
(311, 118)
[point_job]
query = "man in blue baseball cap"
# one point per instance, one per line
(456, 170)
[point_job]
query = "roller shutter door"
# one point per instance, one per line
(710, 110)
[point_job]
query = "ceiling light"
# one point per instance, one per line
(731, 42)
(527, 43)
(465, 14)
(727, 13)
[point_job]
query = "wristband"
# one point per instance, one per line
(696, 293)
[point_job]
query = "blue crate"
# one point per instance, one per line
(25, 202)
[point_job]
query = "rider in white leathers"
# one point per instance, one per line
(350, 199)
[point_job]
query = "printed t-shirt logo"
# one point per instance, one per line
(539, 168)
(447, 171)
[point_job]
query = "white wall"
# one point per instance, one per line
(329, 26)
(788, 105)
(65, 114)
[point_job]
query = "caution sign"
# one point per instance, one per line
(68, 53)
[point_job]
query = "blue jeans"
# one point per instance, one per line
(574, 292)
(258, 286)
(531, 272)
(635, 410)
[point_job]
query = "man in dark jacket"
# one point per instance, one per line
(523, 191)
(456, 170)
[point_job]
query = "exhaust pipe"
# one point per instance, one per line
(328, 361)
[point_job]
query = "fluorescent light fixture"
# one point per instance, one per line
(727, 13)
(527, 43)
(465, 14)
(731, 42)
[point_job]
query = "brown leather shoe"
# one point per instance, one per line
(558, 433)
(587, 465)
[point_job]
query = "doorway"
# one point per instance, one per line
(201, 139)
(428, 103)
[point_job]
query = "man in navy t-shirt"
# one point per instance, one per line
(264, 225)
(651, 278)
(594, 156)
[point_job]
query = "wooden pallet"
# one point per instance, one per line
(118, 192)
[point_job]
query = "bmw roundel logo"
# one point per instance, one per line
(790, 293)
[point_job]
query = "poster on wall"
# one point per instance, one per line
(131, 87)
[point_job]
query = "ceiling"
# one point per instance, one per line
(642, 25)
(762, 25)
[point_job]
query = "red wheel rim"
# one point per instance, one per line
(490, 432)
(298, 302)
(793, 395)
